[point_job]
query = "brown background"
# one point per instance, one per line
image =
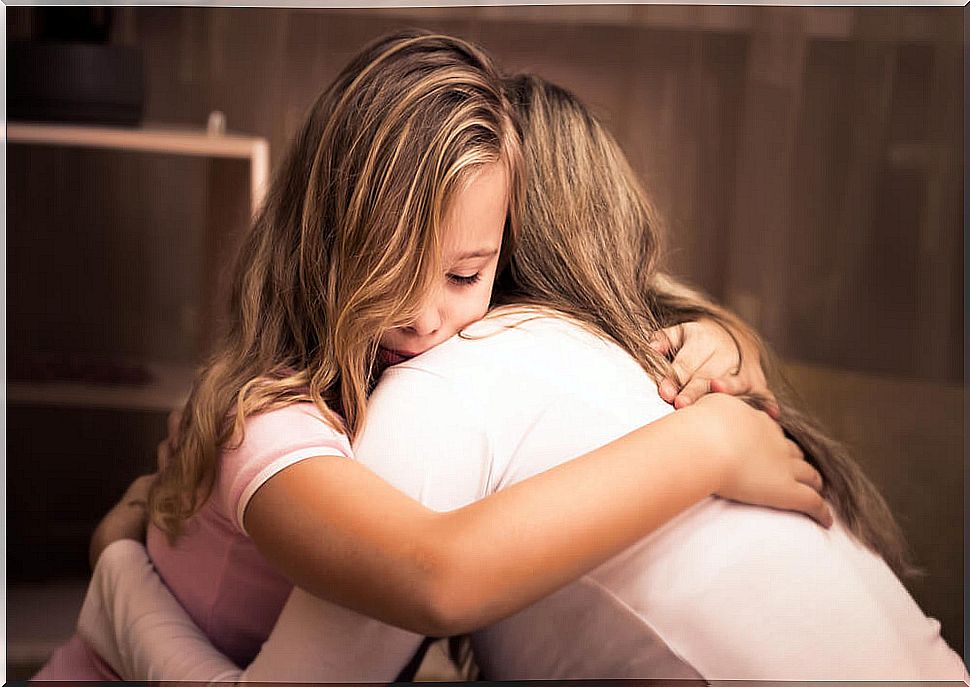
(809, 162)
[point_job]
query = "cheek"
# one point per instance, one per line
(471, 308)
(483, 297)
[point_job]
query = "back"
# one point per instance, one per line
(724, 591)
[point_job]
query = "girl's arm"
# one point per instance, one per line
(345, 535)
(441, 573)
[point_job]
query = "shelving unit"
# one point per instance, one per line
(237, 172)
(167, 390)
(156, 139)
(118, 241)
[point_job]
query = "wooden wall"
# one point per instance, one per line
(808, 161)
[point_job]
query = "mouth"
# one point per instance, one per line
(391, 357)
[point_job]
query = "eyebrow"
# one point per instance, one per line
(482, 253)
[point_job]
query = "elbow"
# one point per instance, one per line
(448, 610)
(451, 601)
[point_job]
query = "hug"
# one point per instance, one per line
(437, 410)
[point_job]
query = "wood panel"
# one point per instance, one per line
(908, 435)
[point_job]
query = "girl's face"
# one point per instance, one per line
(471, 240)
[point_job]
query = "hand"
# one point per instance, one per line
(128, 519)
(164, 450)
(707, 358)
(763, 467)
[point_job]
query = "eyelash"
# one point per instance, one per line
(459, 280)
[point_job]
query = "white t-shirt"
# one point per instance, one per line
(725, 591)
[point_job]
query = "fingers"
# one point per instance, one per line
(811, 503)
(807, 494)
(174, 418)
(794, 449)
(163, 451)
(808, 475)
(163, 454)
(692, 391)
(740, 385)
(667, 340)
(731, 384)
(690, 360)
(771, 405)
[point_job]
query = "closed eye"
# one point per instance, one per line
(464, 280)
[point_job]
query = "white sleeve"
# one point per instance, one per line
(412, 436)
(131, 619)
(135, 624)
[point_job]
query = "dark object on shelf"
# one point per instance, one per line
(75, 82)
(73, 24)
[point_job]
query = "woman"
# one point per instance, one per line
(884, 635)
(381, 238)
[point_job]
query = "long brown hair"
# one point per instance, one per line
(590, 246)
(345, 246)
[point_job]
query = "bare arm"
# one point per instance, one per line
(472, 559)
(344, 534)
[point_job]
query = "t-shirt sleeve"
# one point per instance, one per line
(272, 442)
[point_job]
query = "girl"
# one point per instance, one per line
(381, 237)
(584, 228)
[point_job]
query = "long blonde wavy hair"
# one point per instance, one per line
(589, 246)
(345, 246)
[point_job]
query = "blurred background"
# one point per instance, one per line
(809, 163)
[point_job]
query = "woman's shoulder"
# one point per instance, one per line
(529, 327)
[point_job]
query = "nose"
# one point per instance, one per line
(427, 322)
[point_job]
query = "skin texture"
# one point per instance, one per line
(317, 523)
(472, 238)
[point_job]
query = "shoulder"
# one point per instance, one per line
(297, 422)
(269, 443)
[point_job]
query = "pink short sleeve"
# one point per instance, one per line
(273, 441)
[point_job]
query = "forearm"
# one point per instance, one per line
(135, 624)
(132, 620)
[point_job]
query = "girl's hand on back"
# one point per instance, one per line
(707, 358)
(762, 466)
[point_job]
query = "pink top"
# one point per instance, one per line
(214, 570)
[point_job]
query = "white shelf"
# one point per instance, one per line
(169, 390)
(155, 139)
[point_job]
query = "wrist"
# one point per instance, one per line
(702, 436)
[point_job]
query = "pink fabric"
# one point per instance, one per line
(75, 661)
(215, 570)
